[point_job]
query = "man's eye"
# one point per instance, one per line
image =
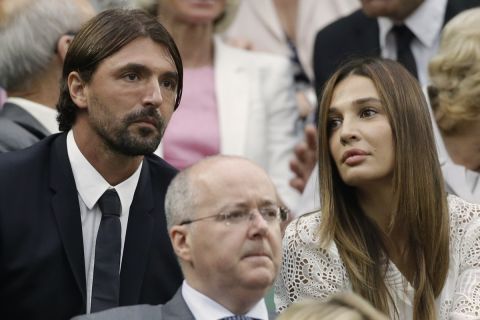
(235, 215)
(131, 76)
(269, 213)
(169, 84)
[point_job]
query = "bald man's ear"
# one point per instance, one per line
(62, 46)
(180, 239)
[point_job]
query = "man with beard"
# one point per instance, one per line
(82, 212)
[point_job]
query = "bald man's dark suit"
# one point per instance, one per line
(357, 35)
(42, 265)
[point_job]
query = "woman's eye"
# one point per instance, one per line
(333, 123)
(367, 113)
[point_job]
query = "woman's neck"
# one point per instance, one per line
(287, 14)
(377, 204)
(195, 42)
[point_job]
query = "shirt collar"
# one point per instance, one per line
(425, 22)
(203, 308)
(45, 115)
(90, 183)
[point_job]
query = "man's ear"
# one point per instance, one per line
(77, 88)
(180, 239)
(62, 46)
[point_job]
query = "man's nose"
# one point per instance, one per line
(153, 94)
(258, 225)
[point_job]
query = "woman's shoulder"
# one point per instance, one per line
(462, 211)
(463, 216)
(305, 228)
(304, 233)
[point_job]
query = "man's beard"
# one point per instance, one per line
(120, 139)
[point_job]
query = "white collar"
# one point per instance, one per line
(90, 183)
(425, 22)
(45, 115)
(204, 308)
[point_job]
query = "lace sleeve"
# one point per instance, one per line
(466, 298)
(308, 271)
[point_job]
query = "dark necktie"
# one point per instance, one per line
(403, 38)
(106, 274)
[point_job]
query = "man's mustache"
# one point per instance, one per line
(147, 115)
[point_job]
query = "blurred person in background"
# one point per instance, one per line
(455, 101)
(288, 28)
(235, 102)
(35, 35)
(343, 306)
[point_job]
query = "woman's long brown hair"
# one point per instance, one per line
(420, 200)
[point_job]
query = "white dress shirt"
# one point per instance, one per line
(91, 185)
(204, 308)
(43, 114)
(426, 23)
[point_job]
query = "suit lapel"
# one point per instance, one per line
(24, 119)
(267, 15)
(233, 95)
(177, 308)
(66, 209)
(137, 240)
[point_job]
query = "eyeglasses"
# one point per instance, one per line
(270, 214)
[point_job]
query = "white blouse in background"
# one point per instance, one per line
(309, 271)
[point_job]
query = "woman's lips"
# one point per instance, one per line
(354, 156)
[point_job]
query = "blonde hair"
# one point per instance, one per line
(343, 306)
(420, 203)
(455, 73)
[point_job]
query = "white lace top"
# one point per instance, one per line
(309, 271)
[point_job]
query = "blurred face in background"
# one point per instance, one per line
(192, 11)
(397, 10)
(463, 145)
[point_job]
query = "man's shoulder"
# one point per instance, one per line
(14, 137)
(28, 159)
(159, 167)
(347, 25)
(137, 312)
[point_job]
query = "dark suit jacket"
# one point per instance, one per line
(18, 128)
(42, 265)
(357, 35)
(175, 309)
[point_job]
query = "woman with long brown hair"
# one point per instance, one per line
(386, 229)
